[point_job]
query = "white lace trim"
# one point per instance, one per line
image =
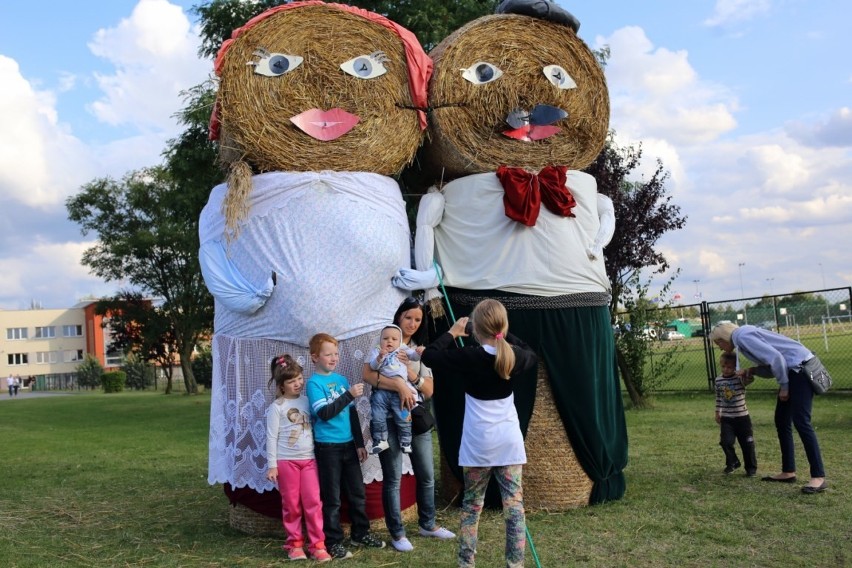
(240, 398)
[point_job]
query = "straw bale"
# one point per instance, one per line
(553, 478)
(256, 110)
(467, 120)
(251, 522)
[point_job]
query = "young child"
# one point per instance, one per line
(492, 443)
(291, 463)
(385, 404)
(339, 447)
(732, 415)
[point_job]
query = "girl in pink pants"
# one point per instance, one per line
(290, 455)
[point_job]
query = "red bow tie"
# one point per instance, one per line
(525, 192)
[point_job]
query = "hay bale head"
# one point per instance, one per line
(495, 69)
(257, 110)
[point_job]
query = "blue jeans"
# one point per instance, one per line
(423, 463)
(796, 411)
(384, 408)
(338, 466)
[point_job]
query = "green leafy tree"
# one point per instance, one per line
(148, 235)
(140, 327)
(138, 373)
(89, 372)
(640, 355)
(430, 20)
(644, 212)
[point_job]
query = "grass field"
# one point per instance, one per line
(120, 480)
(834, 350)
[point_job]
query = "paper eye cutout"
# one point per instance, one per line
(366, 66)
(481, 73)
(559, 77)
(274, 64)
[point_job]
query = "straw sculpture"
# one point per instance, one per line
(467, 119)
(256, 114)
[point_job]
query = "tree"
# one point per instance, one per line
(142, 329)
(89, 372)
(644, 212)
(430, 20)
(148, 235)
(137, 371)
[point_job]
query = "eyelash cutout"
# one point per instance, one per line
(274, 64)
(366, 66)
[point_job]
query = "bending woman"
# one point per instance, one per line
(783, 358)
(491, 434)
(409, 317)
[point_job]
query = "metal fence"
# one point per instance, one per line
(820, 319)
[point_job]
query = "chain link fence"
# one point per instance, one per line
(821, 320)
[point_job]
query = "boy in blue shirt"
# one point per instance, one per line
(339, 447)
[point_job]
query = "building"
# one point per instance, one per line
(46, 346)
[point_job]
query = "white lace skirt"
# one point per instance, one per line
(241, 396)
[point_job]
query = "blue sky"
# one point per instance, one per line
(748, 103)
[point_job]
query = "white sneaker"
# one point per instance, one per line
(439, 532)
(380, 447)
(402, 545)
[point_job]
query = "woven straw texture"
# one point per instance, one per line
(553, 478)
(256, 110)
(467, 120)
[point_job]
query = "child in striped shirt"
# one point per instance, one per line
(733, 418)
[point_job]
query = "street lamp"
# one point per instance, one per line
(740, 265)
(771, 290)
(697, 293)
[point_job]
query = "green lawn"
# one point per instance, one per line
(834, 350)
(120, 480)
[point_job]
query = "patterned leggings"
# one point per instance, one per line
(509, 479)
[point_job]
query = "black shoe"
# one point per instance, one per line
(731, 468)
(368, 541)
(809, 490)
(779, 479)
(751, 473)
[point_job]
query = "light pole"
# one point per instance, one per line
(771, 290)
(742, 291)
(827, 311)
(697, 293)
(740, 265)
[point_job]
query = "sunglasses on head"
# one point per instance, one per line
(411, 302)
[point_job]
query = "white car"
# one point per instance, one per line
(672, 335)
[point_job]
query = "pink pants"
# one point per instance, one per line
(298, 483)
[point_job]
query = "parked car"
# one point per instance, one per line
(673, 335)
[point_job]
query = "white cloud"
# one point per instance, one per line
(835, 130)
(656, 92)
(728, 12)
(154, 53)
(40, 161)
(48, 271)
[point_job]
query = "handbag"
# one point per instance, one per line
(422, 420)
(817, 375)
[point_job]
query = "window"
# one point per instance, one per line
(18, 359)
(16, 333)
(45, 332)
(46, 357)
(114, 358)
(72, 331)
(72, 355)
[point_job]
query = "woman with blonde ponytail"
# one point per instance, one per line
(491, 436)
